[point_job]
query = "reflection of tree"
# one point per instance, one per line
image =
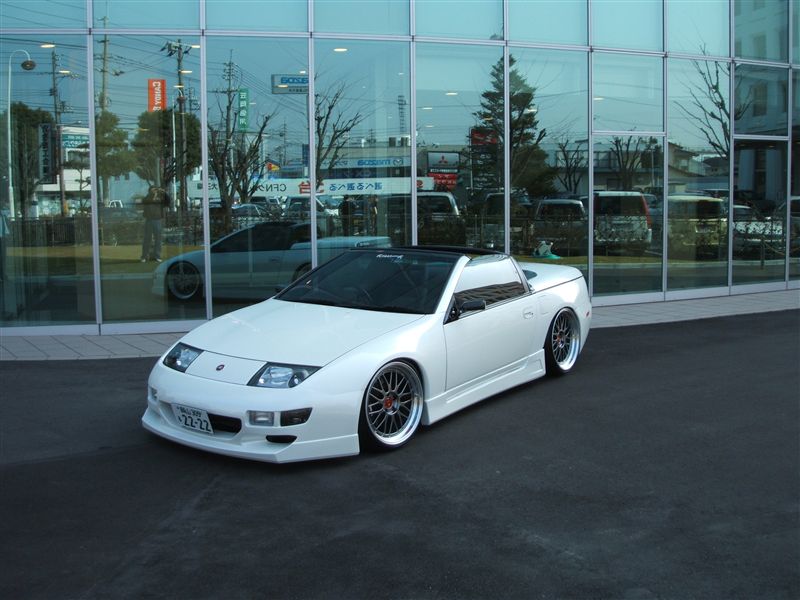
(114, 157)
(573, 160)
(332, 128)
(630, 155)
(709, 106)
(81, 164)
(159, 155)
(234, 155)
(529, 169)
(26, 126)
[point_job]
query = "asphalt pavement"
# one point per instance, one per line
(667, 465)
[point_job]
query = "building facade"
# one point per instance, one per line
(167, 162)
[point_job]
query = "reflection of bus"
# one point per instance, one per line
(698, 225)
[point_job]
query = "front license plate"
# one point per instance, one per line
(193, 418)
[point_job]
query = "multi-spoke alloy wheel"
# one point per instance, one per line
(392, 406)
(563, 343)
(183, 280)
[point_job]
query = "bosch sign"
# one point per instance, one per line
(290, 84)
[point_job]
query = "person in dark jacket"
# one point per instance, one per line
(155, 203)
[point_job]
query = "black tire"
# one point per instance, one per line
(184, 281)
(301, 270)
(563, 343)
(392, 407)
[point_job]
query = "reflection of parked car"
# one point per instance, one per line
(270, 205)
(298, 208)
(622, 221)
(252, 262)
(562, 223)
(698, 226)
(794, 223)
(492, 215)
(438, 218)
(756, 235)
(250, 211)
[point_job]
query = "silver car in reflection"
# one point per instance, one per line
(252, 263)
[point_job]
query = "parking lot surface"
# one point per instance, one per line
(667, 465)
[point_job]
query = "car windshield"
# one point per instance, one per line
(389, 280)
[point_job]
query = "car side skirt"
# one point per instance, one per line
(523, 371)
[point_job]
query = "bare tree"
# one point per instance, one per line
(332, 128)
(709, 107)
(235, 156)
(628, 157)
(573, 160)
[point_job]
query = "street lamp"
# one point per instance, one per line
(27, 65)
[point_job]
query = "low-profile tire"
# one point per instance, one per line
(184, 281)
(563, 343)
(392, 407)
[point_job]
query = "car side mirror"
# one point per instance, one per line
(459, 308)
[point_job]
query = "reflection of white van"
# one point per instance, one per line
(698, 225)
(622, 221)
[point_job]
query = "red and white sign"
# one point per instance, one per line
(156, 95)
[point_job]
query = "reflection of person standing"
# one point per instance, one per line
(154, 204)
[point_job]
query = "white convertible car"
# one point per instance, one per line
(365, 348)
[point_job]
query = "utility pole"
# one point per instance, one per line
(58, 149)
(179, 50)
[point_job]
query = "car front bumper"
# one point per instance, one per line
(330, 431)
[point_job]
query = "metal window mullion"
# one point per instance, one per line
(205, 178)
(312, 148)
(506, 151)
(665, 174)
(413, 124)
(787, 217)
(590, 167)
(731, 156)
(98, 299)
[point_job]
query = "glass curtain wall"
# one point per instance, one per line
(549, 156)
(628, 173)
(694, 170)
(362, 140)
(147, 137)
(699, 158)
(257, 170)
(459, 152)
(759, 196)
(46, 274)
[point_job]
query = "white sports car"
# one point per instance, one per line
(363, 349)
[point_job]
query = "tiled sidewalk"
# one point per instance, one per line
(72, 347)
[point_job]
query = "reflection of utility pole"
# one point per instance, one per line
(179, 50)
(102, 101)
(62, 190)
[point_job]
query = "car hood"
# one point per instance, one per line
(294, 333)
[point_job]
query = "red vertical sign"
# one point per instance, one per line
(156, 95)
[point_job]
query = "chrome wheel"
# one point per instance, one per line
(564, 341)
(392, 405)
(183, 280)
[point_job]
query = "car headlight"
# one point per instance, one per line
(274, 375)
(181, 356)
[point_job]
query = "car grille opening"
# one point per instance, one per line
(221, 423)
(281, 439)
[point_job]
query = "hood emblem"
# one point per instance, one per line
(220, 367)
